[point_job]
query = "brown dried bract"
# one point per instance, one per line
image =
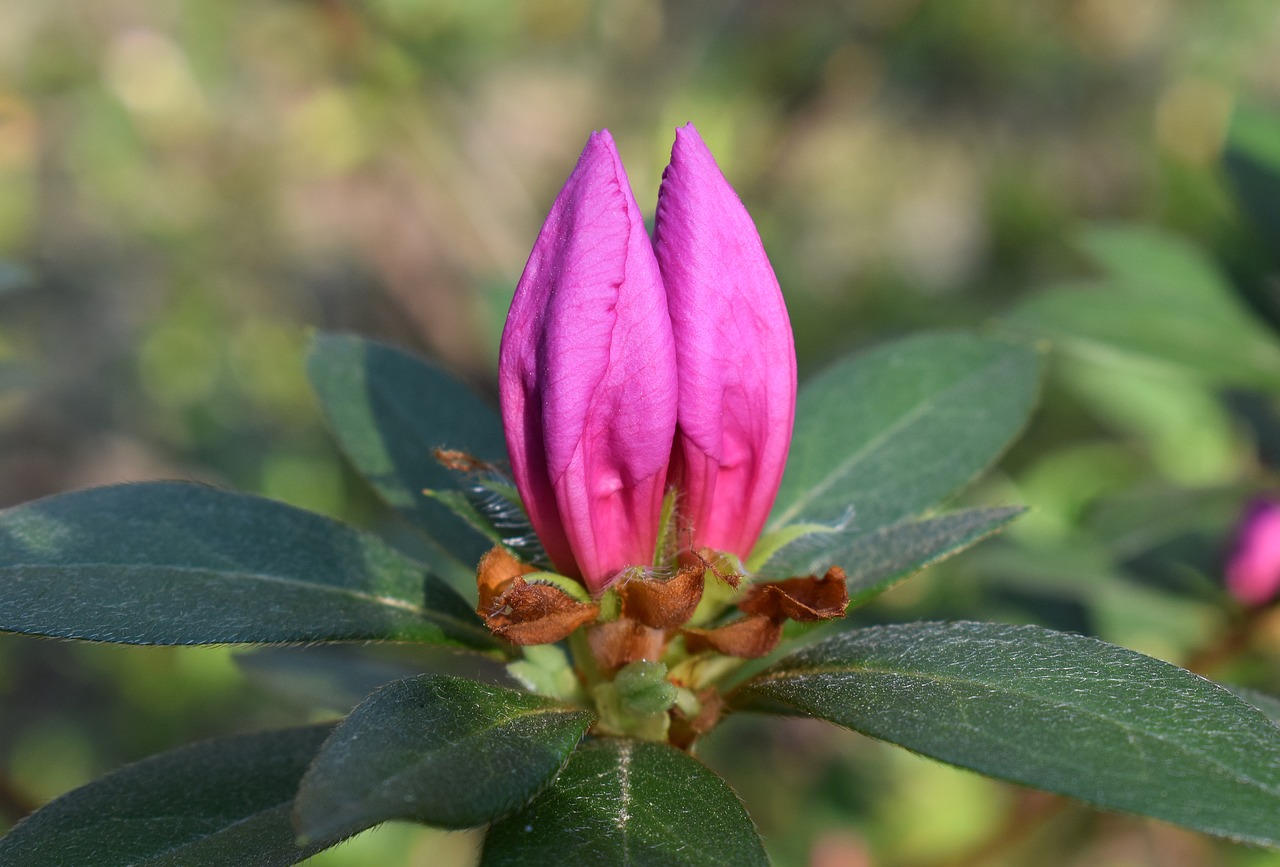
(521, 612)
(621, 641)
(804, 599)
(460, 461)
(750, 638)
(685, 731)
(497, 569)
(664, 604)
(712, 560)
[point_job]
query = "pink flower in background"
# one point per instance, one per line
(628, 366)
(1253, 567)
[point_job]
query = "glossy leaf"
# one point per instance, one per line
(390, 411)
(630, 804)
(1059, 712)
(876, 561)
(885, 435)
(220, 803)
(181, 563)
(439, 750)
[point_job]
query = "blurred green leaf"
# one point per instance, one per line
(1059, 712)
(631, 804)
(1252, 161)
(334, 676)
(220, 803)
(443, 751)
(887, 434)
(1163, 301)
(876, 561)
(391, 411)
(1147, 261)
(182, 563)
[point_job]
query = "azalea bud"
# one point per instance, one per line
(1253, 567)
(587, 376)
(736, 354)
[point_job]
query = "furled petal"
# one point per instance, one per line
(736, 356)
(1253, 569)
(587, 377)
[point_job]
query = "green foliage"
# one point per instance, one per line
(885, 435)
(391, 411)
(631, 804)
(1059, 712)
(876, 561)
(444, 751)
(178, 563)
(1159, 301)
(1252, 162)
(220, 803)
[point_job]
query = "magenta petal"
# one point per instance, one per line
(736, 355)
(1253, 569)
(587, 376)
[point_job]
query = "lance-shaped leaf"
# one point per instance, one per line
(1162, 302)
(220, 803)
(390, 411)
(439, 750)
(181, 563)
(631, 804)
(876, 561)
(885, 435)
(1059, 712)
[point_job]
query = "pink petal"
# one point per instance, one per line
(587, 376)
(1253, 569)
(736, 355)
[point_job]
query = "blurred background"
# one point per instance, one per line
(189, 188)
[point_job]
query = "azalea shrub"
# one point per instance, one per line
(656, 531)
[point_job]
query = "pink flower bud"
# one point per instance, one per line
(736, 355)
(587, 375)
(612, 340)
(1253, 568)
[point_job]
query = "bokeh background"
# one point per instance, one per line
(189, 188)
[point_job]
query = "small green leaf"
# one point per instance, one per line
(439, 750)
(220, 803)
(181, 563)
(1059, 712)
(391, 411)
(629, 804)
(546, 670)
(877, 561)
(888, 434)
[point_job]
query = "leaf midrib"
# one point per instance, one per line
(248, 575)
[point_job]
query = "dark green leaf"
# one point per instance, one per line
(885, 435)
(630, 804)
(1059, 712)
(439, 750)
(390, 411)
(220, 803)
(180, 563)
(1252, 161)
(1268, 704)
(876, 561)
